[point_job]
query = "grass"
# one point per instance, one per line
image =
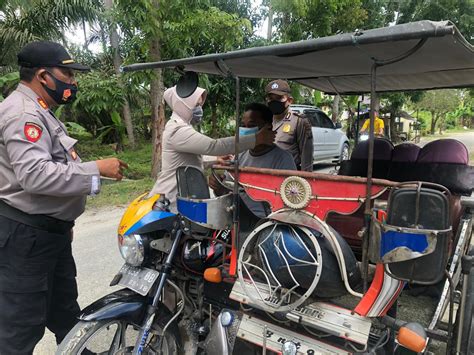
(119, 193)
(136, 178)
(138, 160)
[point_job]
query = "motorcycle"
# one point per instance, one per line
(177, 274)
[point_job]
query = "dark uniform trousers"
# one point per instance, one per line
(37, 286)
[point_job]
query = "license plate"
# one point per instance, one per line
(138, 279)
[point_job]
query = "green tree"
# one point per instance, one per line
(439, 103)
(25, 21)
(461, 12)
(304, 19)
(117, 60)
(157, 29)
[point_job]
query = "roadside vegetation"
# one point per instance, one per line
(137, 179)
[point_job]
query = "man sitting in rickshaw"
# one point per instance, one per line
(264, 156)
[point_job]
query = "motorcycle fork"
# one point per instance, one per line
(151, 309)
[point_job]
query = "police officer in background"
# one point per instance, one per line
(293, 131)
(43, 189)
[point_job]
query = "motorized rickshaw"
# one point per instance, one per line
(323, 272)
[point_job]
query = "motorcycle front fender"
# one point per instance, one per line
(123, 304)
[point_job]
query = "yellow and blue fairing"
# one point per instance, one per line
(140, 215)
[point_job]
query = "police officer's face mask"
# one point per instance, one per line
(64, 93)
(277, 107)
(197, 115)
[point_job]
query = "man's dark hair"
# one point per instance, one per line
(27, 74)
(264, 111)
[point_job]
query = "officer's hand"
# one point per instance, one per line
(112, 168)
(225, 159)
(265, 136)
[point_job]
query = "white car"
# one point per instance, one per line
(330, 143)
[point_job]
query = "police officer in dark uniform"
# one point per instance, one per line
(43, 188)
(293, 131)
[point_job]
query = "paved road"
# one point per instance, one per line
(97, 258)
(467, 138)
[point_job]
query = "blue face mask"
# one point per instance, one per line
(197, 115)
(246, 131)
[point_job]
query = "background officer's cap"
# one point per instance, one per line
(47, 54)
(278, 87)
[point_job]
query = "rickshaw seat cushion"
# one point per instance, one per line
(457, 178)
(406, 152)
(450, 151)
(358, 167)
(383, 149)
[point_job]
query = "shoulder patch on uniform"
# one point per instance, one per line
(32, 132)
(43, 103)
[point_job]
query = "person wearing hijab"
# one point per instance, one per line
(184, 146)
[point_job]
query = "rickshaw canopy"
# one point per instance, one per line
(438, 57)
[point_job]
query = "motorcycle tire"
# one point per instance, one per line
(75, 343)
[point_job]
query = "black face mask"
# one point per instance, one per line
(277, 107)
(64, 93)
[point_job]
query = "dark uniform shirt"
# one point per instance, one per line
(293, 133)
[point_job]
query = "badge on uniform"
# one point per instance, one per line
(73, 154)
(66, 94)
(286, 128)
(32, 132)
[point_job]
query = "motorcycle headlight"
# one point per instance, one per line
(132, 248)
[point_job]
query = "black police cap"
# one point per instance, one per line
(47, 54)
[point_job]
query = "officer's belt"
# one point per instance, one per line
(39, 221)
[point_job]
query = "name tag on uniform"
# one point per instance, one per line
(286, 128)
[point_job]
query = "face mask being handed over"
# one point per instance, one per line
(197, 115)
(277, 107)
(247, 131)
(64, 93)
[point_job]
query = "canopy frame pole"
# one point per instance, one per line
(236, 200)
(370, 163)
(356, 124)
(226, 71)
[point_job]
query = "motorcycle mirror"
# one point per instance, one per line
(187, 84)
